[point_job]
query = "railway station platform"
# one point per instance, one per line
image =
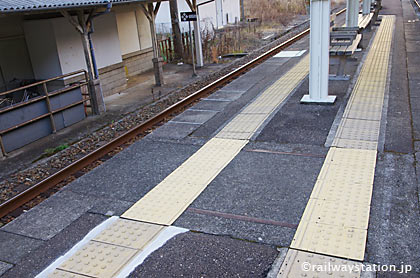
(249, 182)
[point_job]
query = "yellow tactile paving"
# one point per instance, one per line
(98, 259)
(343, 191)
(336, 218)
(332, 240)
(337, 213)
(65, 274)
(313, 265)
(164, 203)
(131, 234)
(355, 144)
(247, 122)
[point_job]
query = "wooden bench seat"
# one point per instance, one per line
(340, 52)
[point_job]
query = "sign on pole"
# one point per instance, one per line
(188, 16)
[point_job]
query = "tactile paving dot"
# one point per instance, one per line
(362, 158)
(303, 264)
(64, 274)
(355, 144)
(129, 233)
(358, 134)
(347, 192)
(336, 213)
(330, 240)
(98, 259)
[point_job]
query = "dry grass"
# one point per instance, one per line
(275, 11)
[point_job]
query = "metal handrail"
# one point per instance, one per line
(43, 81)
(45, 97)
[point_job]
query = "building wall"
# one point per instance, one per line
(14, 57)
(143, 27)
(42, 47)
(53, 47)
(127, 32)
(233, 11)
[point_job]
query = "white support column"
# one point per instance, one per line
(352, 13)
(366, 7)
(198, 43)
(320, 54)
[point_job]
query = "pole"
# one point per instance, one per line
(352, 13)
(366, 7)
(176, 32)
(319, 51)
(192, 51)
(198, 45)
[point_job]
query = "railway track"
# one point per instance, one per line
(52, 181)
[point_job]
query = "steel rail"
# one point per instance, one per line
(417, 4)
(35, 190)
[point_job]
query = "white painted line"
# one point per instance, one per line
(203, 110)
(290, 54)
(91, 235)
(190, 123)
(160, 240)
(218, 99)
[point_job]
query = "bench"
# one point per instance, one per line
(344, 42)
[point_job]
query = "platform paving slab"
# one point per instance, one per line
(51, 216)
(299, 123)
(260, 185)
(394, 219)
(174, 130)
(110, 207)
(254, 76)
(13, 247)
(211, 105)
(263, 186)
(226, 95)
(194, 116)
(32, 264)
(132, 173)
(274, 235)
(201, 255)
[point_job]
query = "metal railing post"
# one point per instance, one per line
(47, 99)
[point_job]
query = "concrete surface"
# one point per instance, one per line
(200, 255)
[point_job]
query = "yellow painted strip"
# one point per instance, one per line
(304, 264)
(246, 123)
(168, 200)
(336, 218)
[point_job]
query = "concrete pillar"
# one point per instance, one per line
(198, 43)
(352, 13)
(366, 7)
(319, 53)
